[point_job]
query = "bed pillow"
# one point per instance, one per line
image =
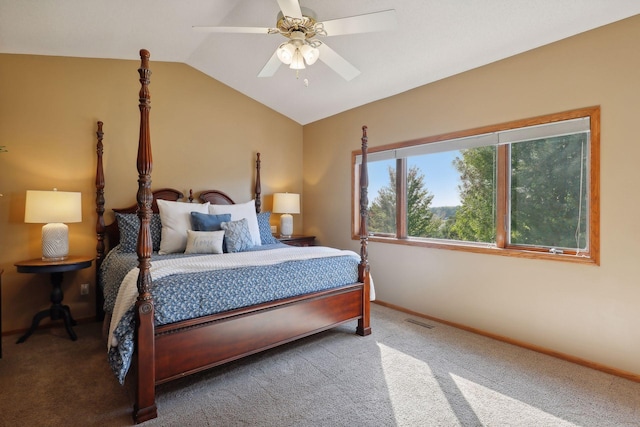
(129, 225)
(176, 220)
(208, 222)
(204, 242)
(237, 236)
(266, 238)
(239, 211)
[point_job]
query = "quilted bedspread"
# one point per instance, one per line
(195, 286)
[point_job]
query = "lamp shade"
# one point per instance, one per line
(297, 62)
(52, 206)
(286, 203)
(285, 53)
(310, 54)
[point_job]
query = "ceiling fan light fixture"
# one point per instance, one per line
(310, 54)
(286, 52)
(297, 63)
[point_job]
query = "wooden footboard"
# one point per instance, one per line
(217, 339)
(173, 351)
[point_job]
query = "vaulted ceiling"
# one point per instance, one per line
(433, 39)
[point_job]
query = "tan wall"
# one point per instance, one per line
(583, 311)
(204, 136)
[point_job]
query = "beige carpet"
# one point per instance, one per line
(405, 374)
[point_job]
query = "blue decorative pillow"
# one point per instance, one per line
(237, 236)
(129, 226)
(265, 229)
(207, 222)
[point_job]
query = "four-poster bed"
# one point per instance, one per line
(166, 351)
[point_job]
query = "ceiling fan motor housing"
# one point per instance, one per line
(307, 25)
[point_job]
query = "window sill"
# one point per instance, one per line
(484, 249)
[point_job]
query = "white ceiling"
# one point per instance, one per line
(434, 39)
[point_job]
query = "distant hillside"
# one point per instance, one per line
(444, 212)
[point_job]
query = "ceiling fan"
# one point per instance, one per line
(300, 26)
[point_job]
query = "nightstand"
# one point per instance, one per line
(56, 269)
(297, 240)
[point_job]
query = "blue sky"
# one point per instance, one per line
(440, 176)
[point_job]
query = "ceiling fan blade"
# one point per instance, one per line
(290, 8)
(337, 63)
(240, 30)
(367, 23)
(271, 66)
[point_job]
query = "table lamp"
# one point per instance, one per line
(53, 208)
(286, 204)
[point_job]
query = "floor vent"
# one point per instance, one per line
(419, 323)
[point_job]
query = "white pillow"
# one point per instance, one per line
(204, 242)
(239, 211)
(176, 220)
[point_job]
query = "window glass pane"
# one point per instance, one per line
(451, 195)
(476, 217)
(432, 194)
(382, 197)
(549, 192)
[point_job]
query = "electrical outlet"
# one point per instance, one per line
(274, 229)
(84, 289)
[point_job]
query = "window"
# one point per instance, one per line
(527, 188)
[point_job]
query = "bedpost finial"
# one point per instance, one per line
(364, 140)
(144, 59)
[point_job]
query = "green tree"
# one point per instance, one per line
(548, 199)
(382, 211)
(420, 220)
(475, 218)
(548, 192)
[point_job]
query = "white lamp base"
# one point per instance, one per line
(55, 242)
(286, 225)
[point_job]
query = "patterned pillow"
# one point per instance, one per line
(129, 225)
(237, 236)
(238, 211)
(265, 229)
(204, 242)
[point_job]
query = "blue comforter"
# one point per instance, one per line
(184, 296)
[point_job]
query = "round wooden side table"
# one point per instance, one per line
(57, 309)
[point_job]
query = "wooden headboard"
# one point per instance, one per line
(215, 197)
(108, 236)
(112, 231)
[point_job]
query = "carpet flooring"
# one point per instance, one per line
(404, 374)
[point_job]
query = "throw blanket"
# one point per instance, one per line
(128, 291)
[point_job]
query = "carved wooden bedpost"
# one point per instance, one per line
(364, 325)
(145, 406)
(258, 188)
(100, 229)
